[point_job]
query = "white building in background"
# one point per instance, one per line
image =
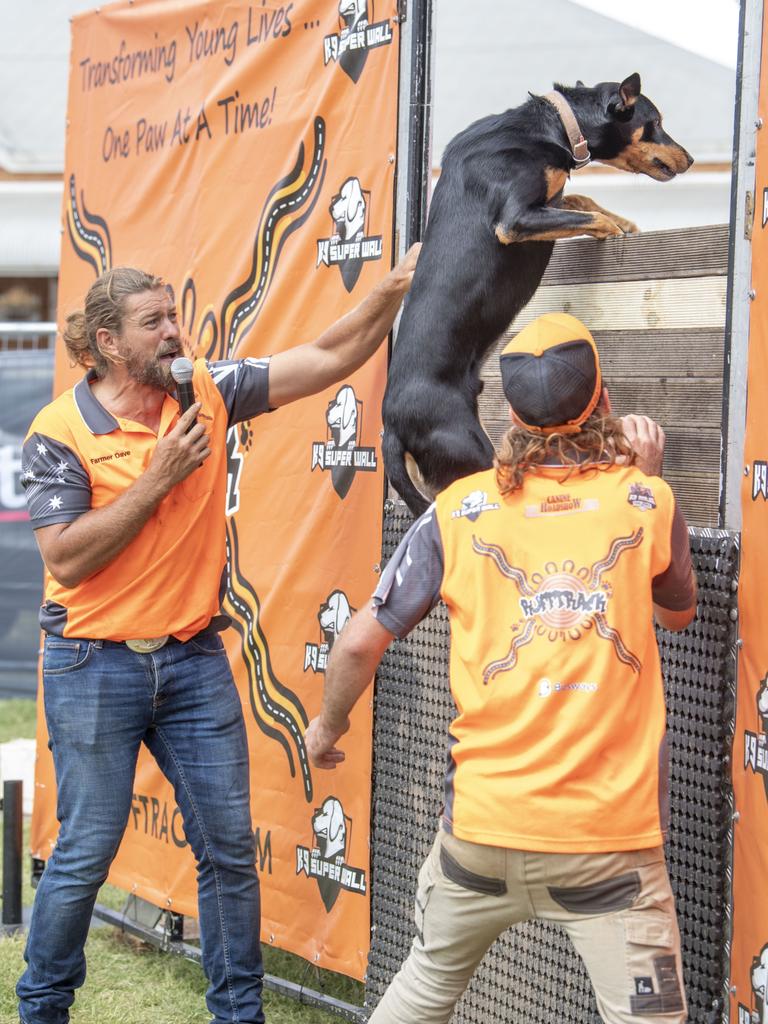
(488, 54)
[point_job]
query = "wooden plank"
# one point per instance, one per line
(698, 496)
(671, 401)
(690, 252)
(634, 305)
(685, 352)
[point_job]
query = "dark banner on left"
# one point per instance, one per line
(25, 386)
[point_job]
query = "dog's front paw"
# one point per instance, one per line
(605, 228)
(628, 227)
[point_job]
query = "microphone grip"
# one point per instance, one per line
(186, 396)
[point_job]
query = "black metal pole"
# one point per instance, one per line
(419, 117)
(12, 843)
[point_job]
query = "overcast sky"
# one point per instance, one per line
(708, 28)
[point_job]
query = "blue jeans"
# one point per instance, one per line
(102, 701)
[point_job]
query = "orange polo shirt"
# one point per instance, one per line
(558, 743)
(167, 580)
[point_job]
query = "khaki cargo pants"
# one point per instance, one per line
(617, 909)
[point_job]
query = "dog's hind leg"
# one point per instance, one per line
(587, 205)
(417, 478)
(397, 473)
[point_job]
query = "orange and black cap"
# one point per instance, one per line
(550, 373)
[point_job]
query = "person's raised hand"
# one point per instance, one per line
(402, 272)
(646, 438)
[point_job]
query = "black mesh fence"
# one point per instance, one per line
(531, 974)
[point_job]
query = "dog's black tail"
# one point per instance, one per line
(394, 466)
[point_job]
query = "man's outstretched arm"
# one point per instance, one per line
(354, 659)
(346, 345)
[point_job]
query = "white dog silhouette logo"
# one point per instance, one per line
(326, 861)
(330, 828)
(350, 245)
(756, 743)
(342, 452)
(358, 34)
(759, 979)
(341, 417)
(335, 612)
(334, 615)
(348, 211)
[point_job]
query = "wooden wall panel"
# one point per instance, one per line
(656, 305)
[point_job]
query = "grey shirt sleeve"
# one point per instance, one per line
(410, 585)
(56, 486)
(243, 385)
(674, 589)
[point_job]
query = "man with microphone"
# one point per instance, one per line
(126, 495)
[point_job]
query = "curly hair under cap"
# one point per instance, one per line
(104, 308)
(599, 444)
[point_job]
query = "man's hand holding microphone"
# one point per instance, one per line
(184, 448)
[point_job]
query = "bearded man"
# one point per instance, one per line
(127, 500)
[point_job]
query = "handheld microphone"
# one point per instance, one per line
(181, 371)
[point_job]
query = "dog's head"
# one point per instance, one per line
(348, 210)
(330, 828)
(353, 11)
(334, 615)
(759, 979)
(473, 502)
(341, 416)
(627, 133)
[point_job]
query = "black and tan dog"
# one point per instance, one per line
(497, 208)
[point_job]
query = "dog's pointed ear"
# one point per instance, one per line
(629, 90)
(580, 84)
(349, 408)
(336, 824)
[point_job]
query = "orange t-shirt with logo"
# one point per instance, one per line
(77, 457)
(558, 743)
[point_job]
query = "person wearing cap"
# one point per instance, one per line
(127, 498)
(553, 566)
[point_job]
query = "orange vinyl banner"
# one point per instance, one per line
(749, 950)
(246, 153)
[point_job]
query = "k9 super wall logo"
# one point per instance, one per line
(358, 33)
(757, 1013)
(756, 743)
(473, 505)
(341, 453)
(335, 612)
(326, 860)
(350, 245)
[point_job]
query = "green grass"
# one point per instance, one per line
(17, 720)
(130, 982)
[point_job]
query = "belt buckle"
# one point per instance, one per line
(147, 646)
